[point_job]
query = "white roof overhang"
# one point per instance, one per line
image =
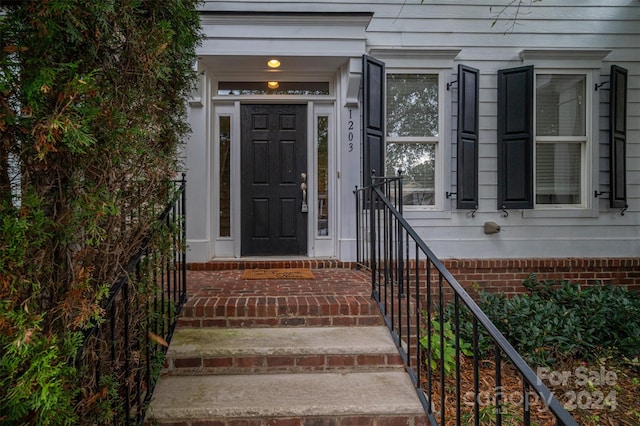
(239, 44)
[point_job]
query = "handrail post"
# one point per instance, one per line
(183, 245)
(358, 230)
(400, 259)
(372, 233)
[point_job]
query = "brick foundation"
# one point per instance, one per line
(507, 275)
(496, 275)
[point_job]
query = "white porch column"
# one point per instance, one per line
(198, 174)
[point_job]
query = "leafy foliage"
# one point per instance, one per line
(564, 319)
(441, 346)
(92, 103)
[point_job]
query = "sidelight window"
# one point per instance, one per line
(225, 176)
(322, 155)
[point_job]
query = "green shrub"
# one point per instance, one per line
(562, 319)
(92, 115)
(35, 374)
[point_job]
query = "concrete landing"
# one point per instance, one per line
(325, 395)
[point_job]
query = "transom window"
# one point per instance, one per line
(412, 104)
(560, 139)
(307, 88)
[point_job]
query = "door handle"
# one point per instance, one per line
(303, 187)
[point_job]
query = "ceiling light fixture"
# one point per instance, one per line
(273, 84)
(273, 63)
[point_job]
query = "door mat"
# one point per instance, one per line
(278, 274)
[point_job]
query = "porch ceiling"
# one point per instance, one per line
(255, 67)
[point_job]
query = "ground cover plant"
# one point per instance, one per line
(582, 342)
(92, 102)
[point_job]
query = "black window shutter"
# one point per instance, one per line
(467, 155)
(618, 137)
(373, 117)
(515, 138)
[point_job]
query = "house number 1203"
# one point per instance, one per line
(350, 129)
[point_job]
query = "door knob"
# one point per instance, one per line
(303, 187)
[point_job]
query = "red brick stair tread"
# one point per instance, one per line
(334, 298)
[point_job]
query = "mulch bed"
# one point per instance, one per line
(594, 394)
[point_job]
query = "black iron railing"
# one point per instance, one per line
(122, 355)
(459, 382)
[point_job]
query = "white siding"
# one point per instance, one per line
(469, 25)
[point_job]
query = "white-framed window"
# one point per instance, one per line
(413, 134)
(547, 160)
(562, 137)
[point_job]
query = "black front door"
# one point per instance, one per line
(274, 160)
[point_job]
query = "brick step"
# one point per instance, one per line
(290, 350)
(265, 263)
(339, 399)
(318, 310)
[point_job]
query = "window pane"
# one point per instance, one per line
(225, 176)
(558, 173)
(412, 105)
(560, 105)
(282, 88)
(417, 162)
(323, 169)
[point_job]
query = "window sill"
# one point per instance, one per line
(423, 213)
(560, 213)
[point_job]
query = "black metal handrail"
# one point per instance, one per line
(122, 355)
(413, 289)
